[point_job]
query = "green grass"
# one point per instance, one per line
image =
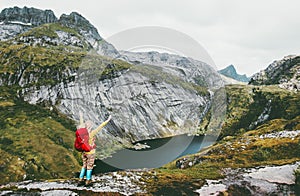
(36, 65)
(35, 143)
(39, 66)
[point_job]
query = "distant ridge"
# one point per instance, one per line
(230, 72)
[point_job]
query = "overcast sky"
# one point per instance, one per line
(247, 34)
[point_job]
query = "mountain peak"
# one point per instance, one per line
(86, 29)
(231, 72)
(77, 21)
(230, 69)
(25, 15)
(74, 18)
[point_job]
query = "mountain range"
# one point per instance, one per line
(52, 68)
(73, 51)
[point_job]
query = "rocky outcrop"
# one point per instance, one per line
(89, 32)
(285, 72)
(82, 25)
(27, 16)
(14, 21)
(269, 180)
(115, 183)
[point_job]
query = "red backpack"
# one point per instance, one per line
(81, 143)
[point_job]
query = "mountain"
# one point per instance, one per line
(50, 69)
(60, 65)
(16, 21)
(188, 69)
(284, 72)
(261, 131)
(230, 72)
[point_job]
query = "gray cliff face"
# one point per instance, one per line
(9, 31)
(141, 108)
(284, 72)
(146, 101)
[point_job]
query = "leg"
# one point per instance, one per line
(90, 165)
(84, 166)
(82, 172)
(90, 161)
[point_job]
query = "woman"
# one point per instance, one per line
(88, 158)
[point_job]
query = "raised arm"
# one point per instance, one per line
(80, 117)
(81, 123)
(94, 132)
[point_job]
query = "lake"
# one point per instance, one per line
(161, 152)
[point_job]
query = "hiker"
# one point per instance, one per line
(88, 158)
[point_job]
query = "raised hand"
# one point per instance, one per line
(108, 119)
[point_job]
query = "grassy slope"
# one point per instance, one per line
(247, 103)
(240, 146)
(35, 143)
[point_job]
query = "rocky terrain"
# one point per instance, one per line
(284, 72)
